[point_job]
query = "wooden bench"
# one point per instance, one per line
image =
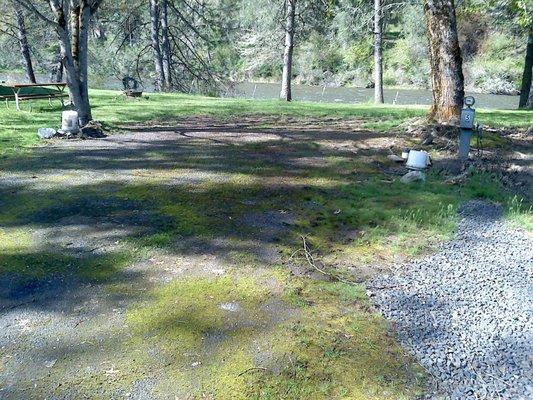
(32, 91)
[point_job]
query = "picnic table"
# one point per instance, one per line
(32, 91)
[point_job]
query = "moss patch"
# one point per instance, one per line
(184, 311)
(332, 347)
(205, 330)
(337, 349)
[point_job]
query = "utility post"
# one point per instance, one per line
(468, 115)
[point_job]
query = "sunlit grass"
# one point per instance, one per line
(520, 213)
(18, 130)
(317, 350)
(331, 352)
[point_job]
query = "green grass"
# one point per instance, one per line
(336, 351)
(18, 129)
(519, 213)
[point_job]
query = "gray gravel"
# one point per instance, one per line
(466, 312)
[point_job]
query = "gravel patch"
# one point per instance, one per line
(466, 312)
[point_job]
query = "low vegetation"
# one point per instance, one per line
(243, 40)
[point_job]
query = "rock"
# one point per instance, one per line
(232, 307)
(413, 176)
(395, 158)
(46, 133)
(218, 271)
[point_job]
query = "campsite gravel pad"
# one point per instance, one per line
(466, 312)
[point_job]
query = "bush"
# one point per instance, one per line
(497, 69)
(359, 55)
(316, 61)
(406, 63)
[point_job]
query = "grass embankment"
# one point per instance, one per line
(194, 201)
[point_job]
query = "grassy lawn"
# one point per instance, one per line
(18, 129)
(182, 248)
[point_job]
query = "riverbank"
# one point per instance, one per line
(264, 90)
(355, 95)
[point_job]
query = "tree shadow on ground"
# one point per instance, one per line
(186, 190)
(89, 227)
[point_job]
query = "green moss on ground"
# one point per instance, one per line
(331, 346)
(337, 348)
(205, 330)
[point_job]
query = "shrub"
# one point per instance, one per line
(316, 61)
(406, 63)
(497, 69)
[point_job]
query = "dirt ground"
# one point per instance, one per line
(96, 232)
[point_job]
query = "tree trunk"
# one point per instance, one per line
(529, 103)
(56, 74)
(166, 50)
(78, 94)
(59, 75)
(378, 52)
(158, 59)
(74, 13)
(23, 42)
(286, 92)
(71, 20)
(525, 92)
(445, 60)
(83, 54)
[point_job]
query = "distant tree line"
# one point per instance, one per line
(205, 45)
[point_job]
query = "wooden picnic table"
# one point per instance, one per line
(17, 88)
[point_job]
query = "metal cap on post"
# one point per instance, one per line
(468, 115)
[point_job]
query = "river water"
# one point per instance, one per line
(252, 90)
(362, 95)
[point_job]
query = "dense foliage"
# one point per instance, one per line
(217, 42)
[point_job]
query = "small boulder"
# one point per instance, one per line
(46, 133)
(232, 306)
(413, 176)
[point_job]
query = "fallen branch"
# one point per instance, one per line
(252, 369)
(311, 261)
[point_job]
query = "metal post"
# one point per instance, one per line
(17, 99)
(464, 144)
(466, 126)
